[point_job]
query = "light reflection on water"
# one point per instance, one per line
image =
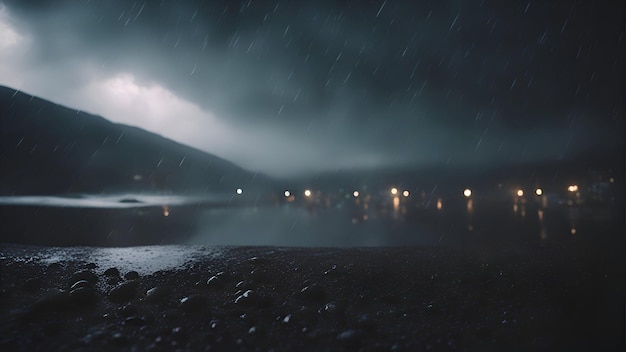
(354, 221)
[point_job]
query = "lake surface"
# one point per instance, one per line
(134, 220)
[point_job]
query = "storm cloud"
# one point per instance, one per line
(289, 88)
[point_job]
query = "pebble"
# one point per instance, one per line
(53, 300)
(193, 302)
(251, 299)
(123, 292)
(215, 282)
(314, 293)
(86, 275)
(112, 272)
(80, 283)
(83, 296)
(131, 275)
(118, 339)
(156, 294)
(349, 338)
(135, 320)
(242, 285)
(54, 266)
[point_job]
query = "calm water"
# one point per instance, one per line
(145, 220)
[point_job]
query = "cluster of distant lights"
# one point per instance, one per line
(573, 188)
(520, 192)
(467, 192)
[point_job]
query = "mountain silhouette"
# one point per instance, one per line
(46, 148)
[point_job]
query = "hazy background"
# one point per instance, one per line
(291, 88)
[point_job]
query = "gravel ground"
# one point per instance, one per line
(269, 298)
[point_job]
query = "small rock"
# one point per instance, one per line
(256, 332)
(118, 339)
(53, 300)
(329, 308)
(258, 261)
(80, 283)
(192, 302)
(123, 292)
(54, 266)
(252, 299)
(215, 282)
(90, 266)
(112, 272)
(156, 294)
(332, 271)
(83, 296)
(135, 321)
(242, 285)
(349, 338)
(314, 293)
(86, 275)
(131, 275)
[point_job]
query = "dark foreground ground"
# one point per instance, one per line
(267, 298)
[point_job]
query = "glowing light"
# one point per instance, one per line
(612, 179)
(287, 194)
(572, 231)
(239, 191)
(307, 193)
(405, 193)
(538, 191)
(396, 203)
(467, 192)
(355, 194)
(520, 193)
(394, 191)
(572, 188)
(439, 204)
(166, 210)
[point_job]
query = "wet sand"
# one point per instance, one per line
(272, 298)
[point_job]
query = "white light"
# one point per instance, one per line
(405, 193)
(239, 191)
(355, 194)
(467, 192)
(287, 193)
(394, 191)
(538, 191)
(520, 193)
(572, 188)
(307, 193)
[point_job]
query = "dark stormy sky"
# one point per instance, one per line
(295, 87)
